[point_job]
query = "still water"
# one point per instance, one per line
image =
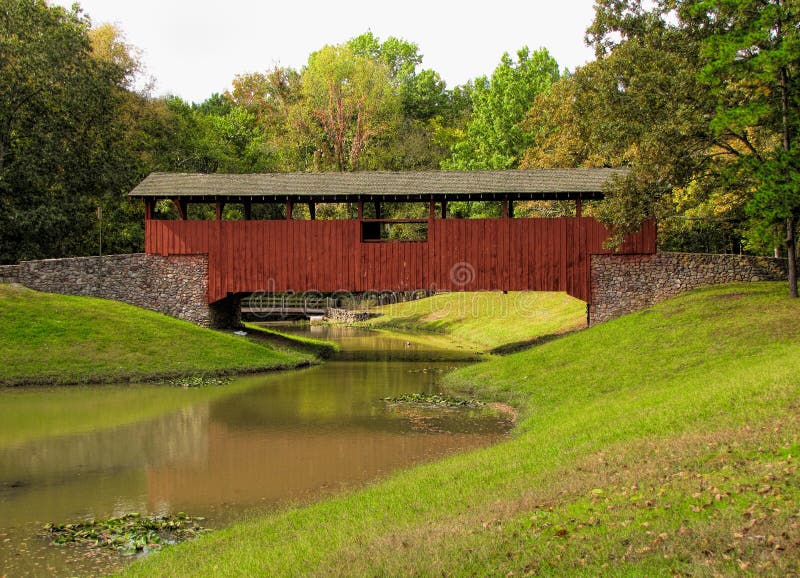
(225, 453)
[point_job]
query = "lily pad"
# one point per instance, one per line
(129, 534)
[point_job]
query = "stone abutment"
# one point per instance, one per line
(173, 285)
(626, 283)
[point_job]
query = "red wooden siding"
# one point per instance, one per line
(328, 256)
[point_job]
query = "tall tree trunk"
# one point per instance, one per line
(791, 221)
(791, 225)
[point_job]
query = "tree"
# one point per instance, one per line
(270, 96)
(348, 100)
(428, 107)
(58, 103)
(494, 136)
(109, 45)
(645, 107)
(400, 57)
(561, 133)
(752, 64)
(699, 96)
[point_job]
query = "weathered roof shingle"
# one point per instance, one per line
(405, 185)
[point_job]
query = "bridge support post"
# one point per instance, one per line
(508, 209)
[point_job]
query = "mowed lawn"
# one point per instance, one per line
(488, 319)
(662, 443)
(59, 339)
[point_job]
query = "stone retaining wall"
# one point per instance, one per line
(335, 315)
(174, 285)
(9, 273)
(625, 283)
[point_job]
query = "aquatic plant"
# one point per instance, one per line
(129, 534)
(199, 381)
(433, 400)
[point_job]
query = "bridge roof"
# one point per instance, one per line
(380, 185)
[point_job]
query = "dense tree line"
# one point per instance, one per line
(698, 97)
(701, 99)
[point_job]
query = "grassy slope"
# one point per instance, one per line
(58, 339)
(485, 320)
(663, 442)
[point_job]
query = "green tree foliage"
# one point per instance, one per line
(58, 106)
(494, 137)
(561, 128)
(348, 100)
(699, 97)
(427, 107)
(270, 97)
(752, 65)
(400, 57)
(109, 45)
(216, 135)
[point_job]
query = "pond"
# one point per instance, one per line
(223, 452)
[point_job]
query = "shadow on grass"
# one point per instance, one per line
(318, 348)
(517, 346)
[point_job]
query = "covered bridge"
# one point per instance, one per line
(358, 253)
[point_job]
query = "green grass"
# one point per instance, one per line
(486, 321)
(59, 339)
(662, 443)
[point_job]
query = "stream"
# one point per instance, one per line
(228, 453)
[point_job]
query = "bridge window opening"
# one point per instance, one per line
(394, 211)
(232, 212)
(397, 221)
(376, 231)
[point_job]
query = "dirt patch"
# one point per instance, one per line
(505, 410)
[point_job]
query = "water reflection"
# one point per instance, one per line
(279, 437)
(364, 345)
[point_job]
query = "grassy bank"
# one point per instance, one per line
(485, 321)
(661, 443)
(59, 339)
(318, 347)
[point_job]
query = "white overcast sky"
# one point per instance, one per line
(194, 48)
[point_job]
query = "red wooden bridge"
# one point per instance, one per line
(353, 255)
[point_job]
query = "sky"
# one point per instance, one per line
(194, 48)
